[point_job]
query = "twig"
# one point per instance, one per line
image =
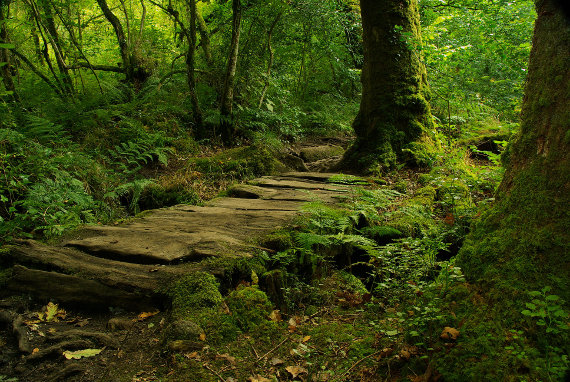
(254, 351)
(272, 350)
(214, 372)
(359, 361)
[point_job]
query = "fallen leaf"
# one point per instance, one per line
(78, 354)
(306, 338)
(276, 362)
(192, 355)
(35, 350)
(258, 378)
(296, 370)
(52, 330)
(405, 354)
(449, 333)
(275, 316)
(227, 357)
(144, 315)
(202, 336)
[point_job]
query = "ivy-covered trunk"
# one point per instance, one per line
(394, 110)
(523, 242)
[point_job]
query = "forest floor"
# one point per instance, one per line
(111, 321)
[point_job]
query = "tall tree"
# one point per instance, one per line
(394, 110)
(524, 240)
(227, 126)
(5, 58)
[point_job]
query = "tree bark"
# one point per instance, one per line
(523, 242)
(227, 127)
(5, 70)
(191, 64)
(204, 39)
(394, 109)
(270, 63)
(121, 38)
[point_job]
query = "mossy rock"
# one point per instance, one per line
(313, 154)
(195, 291)
(250, 306)
(156, 196)
(182, 330)
(382, 235)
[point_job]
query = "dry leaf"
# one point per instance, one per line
(144, 315)
(35, 350)
(306, 338)
(258, 378)
(202, 336)
(192, 355)
(296, 370)
(227, 357)
(449, 333)
(276, 362)
(405, 354)
(275, 316)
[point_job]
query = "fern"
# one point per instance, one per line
(131, 191)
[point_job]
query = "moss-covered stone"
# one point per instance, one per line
(250, 306)
(193, 292)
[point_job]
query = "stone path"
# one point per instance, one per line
(126, 265)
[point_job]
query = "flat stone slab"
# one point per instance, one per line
(137, 258)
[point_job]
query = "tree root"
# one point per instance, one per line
(18, 329)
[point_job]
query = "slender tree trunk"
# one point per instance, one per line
(270, 63)
(5, 58)
(204, 38)
(53, 37)
(394, 109)
(191, 64)
(523, 242)
(121, 38)
(227, 127)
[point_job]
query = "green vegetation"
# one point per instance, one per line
(429, 267)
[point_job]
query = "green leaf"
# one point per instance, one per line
(4, 45)
(78, 354)
(552, 297)
(391, 332)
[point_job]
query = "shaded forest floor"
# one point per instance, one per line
(362, 290)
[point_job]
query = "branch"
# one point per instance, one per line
(37, 71)
(104, 68)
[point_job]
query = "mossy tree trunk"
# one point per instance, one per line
(5, 58)
(227, 126)
(394, 110)
(523, 242)
(191, 66)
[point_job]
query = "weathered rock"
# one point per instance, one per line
(183, 330)
(130, 265)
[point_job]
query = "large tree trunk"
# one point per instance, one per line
(394, 110)
(227, 126)
(523, 242)
(204, 38)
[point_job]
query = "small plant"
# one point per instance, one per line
(547, 313)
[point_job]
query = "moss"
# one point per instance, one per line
(157, 196)
(250, 306)
(220, 328)
(193, 292)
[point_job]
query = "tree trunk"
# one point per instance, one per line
(121, 38)
(394, 110)
(204, 39)
(227, 127)
(270, 63)
(191, 64)
(523, 242)
(5, 70)
(53, 37)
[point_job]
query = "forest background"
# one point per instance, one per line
(112, 108)
(87, 122)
